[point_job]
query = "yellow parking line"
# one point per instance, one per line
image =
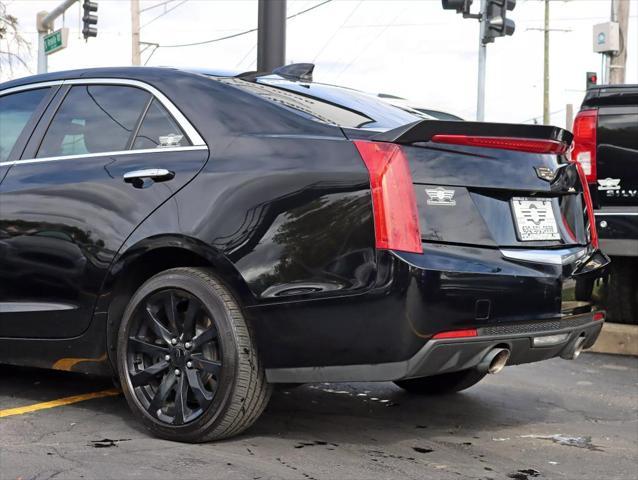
(58, 403)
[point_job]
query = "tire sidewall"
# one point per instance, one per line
(184, 280)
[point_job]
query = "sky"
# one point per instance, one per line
(413, 48)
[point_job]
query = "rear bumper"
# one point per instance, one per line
(451, 355)
(386, 333)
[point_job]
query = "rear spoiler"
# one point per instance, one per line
(424, 130)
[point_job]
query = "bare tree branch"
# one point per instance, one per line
(14, 48)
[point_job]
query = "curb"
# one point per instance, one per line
(618, 339)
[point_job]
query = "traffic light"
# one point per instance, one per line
(89, 19)
(458, 5)
(496, 22)
(592, 79)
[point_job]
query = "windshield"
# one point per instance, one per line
(329, 104)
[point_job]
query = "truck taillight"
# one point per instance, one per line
(584, 151)
(396, 222)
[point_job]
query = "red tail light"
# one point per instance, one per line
(396, 223)
(470, 332)
(530, 145)
(584, 151)
(589, 205)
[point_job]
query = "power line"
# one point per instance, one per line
(325, 45)
(371, 42)
(166, 12)
(239, 34)
(156, 5)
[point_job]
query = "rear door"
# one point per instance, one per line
(104, 155)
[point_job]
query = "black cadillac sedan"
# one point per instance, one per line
(203, 235)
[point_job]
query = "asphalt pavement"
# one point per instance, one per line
(553, 420)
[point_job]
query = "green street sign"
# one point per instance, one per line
(56, 41)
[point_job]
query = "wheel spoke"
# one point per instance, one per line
(160, 330)
(202, 395)
(143, 377)
(204, 337)
(190, 316)
(181, 395)
(170, 309)
(210, 366)
(162, 393)
(139, 345)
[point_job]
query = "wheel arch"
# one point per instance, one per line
(151, 256)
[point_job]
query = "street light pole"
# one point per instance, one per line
(42, 58)
(271, 35)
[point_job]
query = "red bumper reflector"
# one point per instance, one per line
(530, 145)
(396, 222)
(599, 316)
(471, 332)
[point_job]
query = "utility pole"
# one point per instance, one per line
(618, 60)
(546, 66)
(271, 35)
(135, 33)
(44, 23)
(482, 56)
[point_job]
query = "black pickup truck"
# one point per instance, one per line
(606, 145)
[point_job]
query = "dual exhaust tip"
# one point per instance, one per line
(497, 358)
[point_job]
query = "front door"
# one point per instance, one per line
(102, 158)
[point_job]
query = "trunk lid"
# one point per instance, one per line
(492, 197)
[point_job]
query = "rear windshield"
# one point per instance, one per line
(339, 106)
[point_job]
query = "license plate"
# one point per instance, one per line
(535, 219)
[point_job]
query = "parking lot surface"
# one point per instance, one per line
(553, 420)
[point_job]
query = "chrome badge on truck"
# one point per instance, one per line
(440, 196)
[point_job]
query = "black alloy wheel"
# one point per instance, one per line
(173, 356)
(186, 358)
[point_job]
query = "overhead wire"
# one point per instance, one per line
(239, 34)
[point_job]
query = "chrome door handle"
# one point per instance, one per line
(156, 174)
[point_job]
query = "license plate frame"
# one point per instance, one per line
(534, 219)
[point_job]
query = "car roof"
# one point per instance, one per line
(383, 116)
(133, 73)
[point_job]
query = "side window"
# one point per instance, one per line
(15, 112)
(94, 119)
(158, 129)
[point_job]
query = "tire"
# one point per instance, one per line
(442, 384)
(192, 375)
(622, 291)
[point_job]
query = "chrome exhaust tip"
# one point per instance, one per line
(494, 361)
(576, 350)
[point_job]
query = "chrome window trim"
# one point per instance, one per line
(105, 154)
(194, 137)
(561, 256)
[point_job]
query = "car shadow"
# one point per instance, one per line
(337, 413)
